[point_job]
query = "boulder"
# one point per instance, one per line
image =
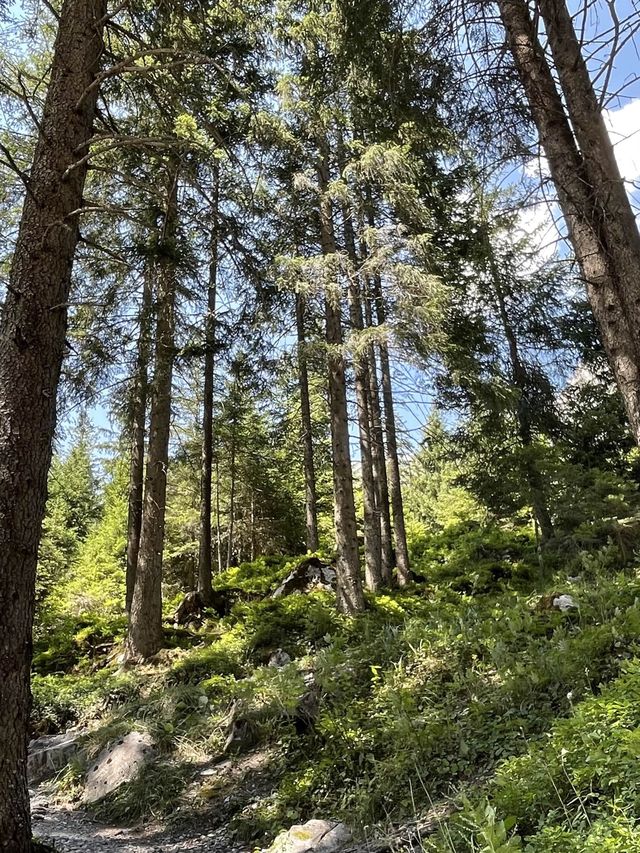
(48, 755)
(565, 603)
(279, 659)
(192, 608)
(309, 574)
(121, 761)
(314, 836)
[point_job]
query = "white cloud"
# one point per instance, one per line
(624, 129)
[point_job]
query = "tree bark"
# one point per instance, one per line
(205, 554)
(145, 619)
(350, 595)
(232, 497)
(32, 341)
(137, 433)
(311, 502)
(590, 233)
(598, 157)
(403, 568)
(218, 519)
(393, 463)
(378, 456)
(372, 546)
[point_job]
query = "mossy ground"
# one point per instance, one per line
(466, 686)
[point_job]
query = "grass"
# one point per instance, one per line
(466, 685)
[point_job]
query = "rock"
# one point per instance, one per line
(49, 754)
(279, 659)
(314, 836)
(192, 607)
(309, 574)
(118, 763)
(564, 603)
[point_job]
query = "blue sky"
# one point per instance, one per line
(623, 119)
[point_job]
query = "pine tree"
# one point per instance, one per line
(590, 190)
(32, 339)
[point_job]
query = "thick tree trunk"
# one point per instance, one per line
(137, 433)
(32, 340)
(594, 142)
(145, 619)
(350, 595)
(589, 229)
(372, 547)
(311, 502)
(205, 554)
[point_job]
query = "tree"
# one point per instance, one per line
(205, 553)
(73, 507)
(311, 499)
(32, 341)
(137, 430)
(145, 619)
(350, 593)
(590, 190)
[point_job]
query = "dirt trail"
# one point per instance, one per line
(73, 831)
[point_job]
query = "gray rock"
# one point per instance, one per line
(314, 836)
(565, 603)
(118, 763)
(279, 659)
(311, 573)
(50, 754)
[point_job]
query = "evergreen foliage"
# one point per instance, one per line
(281, 257)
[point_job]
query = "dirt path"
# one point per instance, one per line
(73, 831)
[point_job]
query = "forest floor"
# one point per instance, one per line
(71, 830)
(472, 687)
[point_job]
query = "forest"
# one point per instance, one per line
(319, 426)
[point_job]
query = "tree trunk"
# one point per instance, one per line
(599, 162)
(32, 340)
(252, 529)
(232, 498)
(218, 519)
(350, 595)
(145, 620)
(311, 503)
(378, 456)
(372, 547)
(137, 433)
(205, 550)
(403, 569)
(393, 462)
(589, 229)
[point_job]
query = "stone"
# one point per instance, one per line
(314, 836)
(48, 755)
(564, 603)
(309, 574)
(279, 659)
(120, 762)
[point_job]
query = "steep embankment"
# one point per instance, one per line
(474, 681)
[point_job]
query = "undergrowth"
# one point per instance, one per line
(466, 683)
